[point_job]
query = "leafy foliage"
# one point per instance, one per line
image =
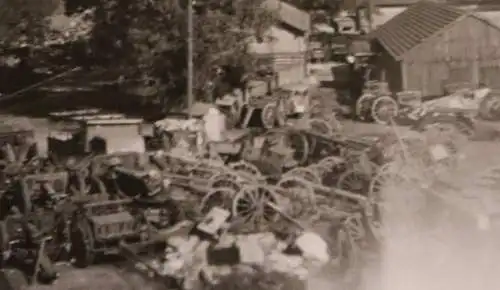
(148, 39)
(23, 22)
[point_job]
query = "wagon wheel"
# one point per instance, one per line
(246, 170)
(268, 115)
(301, 196)
(305, 173)
(329, 168)
(387, 180)
(353, 180)
(217, 197)
(321, 127)
(250, 207)
(363, 104)
(82, 243)
(384, 109)
(299, 143)
(225, 180)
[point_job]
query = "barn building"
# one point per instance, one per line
(431, 45)
(284, 45)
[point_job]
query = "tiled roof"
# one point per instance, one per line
(414, 25)
(289, 14)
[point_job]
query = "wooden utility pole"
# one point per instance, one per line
(189, 93)
(370, 11)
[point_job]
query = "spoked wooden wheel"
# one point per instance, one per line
(246, 170)
(251, 210)
(217, 197)
(268, 115)
(320, 126)
(329, 169)
(384, 109)
(300, 145)
(353, 180)
(301, 197)
(304, 173)
(226, 180)
(387, 194)
(363, 105)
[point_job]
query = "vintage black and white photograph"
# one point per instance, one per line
(250, 145)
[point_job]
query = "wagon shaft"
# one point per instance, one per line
(337, 192)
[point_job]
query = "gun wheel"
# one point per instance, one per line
(218, 197)
(225, 180)
(329, 168)
(246, 170)
(300, 195)
(363, 106)
(251, 208)
(354, 181)
(384, 109)
(304, 173)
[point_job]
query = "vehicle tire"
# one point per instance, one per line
(363, 105)
(383, 110)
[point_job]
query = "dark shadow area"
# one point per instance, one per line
(39, 104)
(98, 145)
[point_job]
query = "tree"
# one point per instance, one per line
(24, 22)
(147, 39)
